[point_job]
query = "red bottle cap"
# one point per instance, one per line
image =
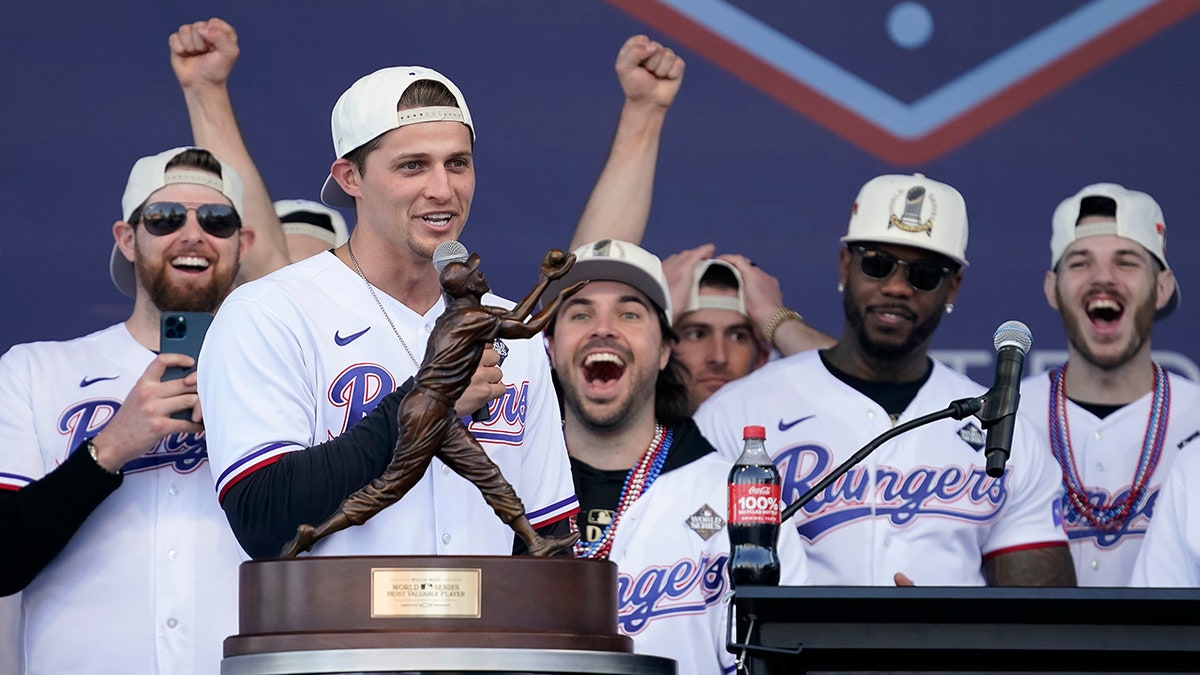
(754, 432)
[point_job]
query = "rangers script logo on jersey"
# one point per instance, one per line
(184, 452)
(662, 591)
(965, 493)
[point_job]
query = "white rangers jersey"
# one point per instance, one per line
(295, 358)
(149, 582)
(1170, 554)
(673, 582)
(1106, 453)
(921, 504)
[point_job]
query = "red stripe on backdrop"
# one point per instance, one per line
(876, 140)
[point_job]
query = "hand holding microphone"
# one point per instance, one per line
(999, 412)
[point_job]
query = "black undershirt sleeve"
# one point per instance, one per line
(265, 508)
(37, 521)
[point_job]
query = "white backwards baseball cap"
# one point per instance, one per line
(302, 216)
(911, 211)
(149, 175)
(615, 260)
(368, 109)
(1138, 217)
(707, 269)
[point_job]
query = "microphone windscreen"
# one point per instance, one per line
(1013, 334)
(448, 252)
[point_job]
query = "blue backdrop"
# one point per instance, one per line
(788, 106)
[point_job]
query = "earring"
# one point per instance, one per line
(841, 286)
(949, 307)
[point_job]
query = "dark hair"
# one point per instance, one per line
(671, 393)
(420, 94)
(192, 158)
(1097, 206)
(719, 276)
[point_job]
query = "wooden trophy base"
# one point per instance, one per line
(421, 605)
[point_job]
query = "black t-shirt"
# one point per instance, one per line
(893, 397)
(599, 490)
(1100, 410)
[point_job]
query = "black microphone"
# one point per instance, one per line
(446, 253)
(999, 411)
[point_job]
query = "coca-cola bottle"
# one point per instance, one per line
(754, 506)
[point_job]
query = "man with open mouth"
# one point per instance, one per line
(303, 355)
(921, 509)
(106, 507)
(1114, 418)
(652, 490)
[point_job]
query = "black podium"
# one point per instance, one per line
(880, 629)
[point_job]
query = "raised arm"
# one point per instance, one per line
(619, 206)
(202, 55)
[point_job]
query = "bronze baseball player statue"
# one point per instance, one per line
(429, 425)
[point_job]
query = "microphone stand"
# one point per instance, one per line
(958, 410)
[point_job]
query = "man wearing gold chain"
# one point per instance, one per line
(652, 490)
(1110, 412)
(295, 361)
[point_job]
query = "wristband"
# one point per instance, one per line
(779, 317)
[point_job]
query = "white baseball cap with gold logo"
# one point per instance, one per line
(911, 211)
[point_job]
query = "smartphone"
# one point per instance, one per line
(182, 333)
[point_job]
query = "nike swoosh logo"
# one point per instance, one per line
(343, 341)
(85, 382)
(784, 426)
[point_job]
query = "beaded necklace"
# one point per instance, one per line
(1107, 516)
(637, 481)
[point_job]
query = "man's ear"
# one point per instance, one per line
(1165, 285)
(347, 176)
(843, 265)
(549, 348)
(764, 355)
(1049, 287)
(245, 241)
(123, 234)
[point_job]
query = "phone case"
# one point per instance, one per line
(182, 333)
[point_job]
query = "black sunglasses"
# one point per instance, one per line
(922, 275)
(162, 218)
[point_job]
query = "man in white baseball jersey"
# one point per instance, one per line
(653, 491)
(1114, 418)
(921, 507)
(106, 507)
(303, 354)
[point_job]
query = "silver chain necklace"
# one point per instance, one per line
(371, 289)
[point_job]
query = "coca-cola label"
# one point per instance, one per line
(753, 504)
